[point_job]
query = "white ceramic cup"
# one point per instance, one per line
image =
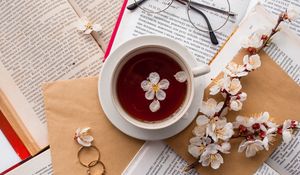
(178, 53)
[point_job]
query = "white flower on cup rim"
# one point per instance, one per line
(235, 70)
(252, 62)
(251, 147)
(154, 90)
(87, 27)
(181, 76)
(83, 137)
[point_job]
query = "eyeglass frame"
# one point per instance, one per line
(212, 35)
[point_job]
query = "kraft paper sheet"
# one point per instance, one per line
(74, 103)
(269, 89)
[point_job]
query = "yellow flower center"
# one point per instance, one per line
(155, 87)
(89, 25)
(213, 157)
(201, 148)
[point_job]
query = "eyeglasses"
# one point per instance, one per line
(205, 15)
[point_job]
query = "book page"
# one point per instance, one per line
(265, 169)
(8, 155)
(174, 23)
(157, 158)
(277, 6)
(104, 12)
(38, 165)
(40, 43)
(286, 158)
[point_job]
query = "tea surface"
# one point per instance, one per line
(131, 95)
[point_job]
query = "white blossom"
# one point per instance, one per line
(197, 146)
(269, 137)
(212, 157)
(154, 90)
(287, 129)
(251, 147)
(232, 86)
(241, 120)
(222, 130)
(293, 12)
(219, 85)
(253, 41)
(181, 76)
(87, 27)
(210, 107)
(252, 62)
(236, 105)
(235, 70)
(83, 138)
(215, 127)
(236, 101)
(260, 120)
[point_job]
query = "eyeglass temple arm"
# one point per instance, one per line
(211, 8)
(212, 35)
(135, 4)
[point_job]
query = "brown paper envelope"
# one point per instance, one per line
(74, 103)
(269, 89)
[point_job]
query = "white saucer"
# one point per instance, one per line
(105, 97)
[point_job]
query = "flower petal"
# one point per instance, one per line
(85, 130)
(214, 89)
(181, 76)
(225, 147)
(216, 163)
(161, 95)
(287, 136)
(146, 85)
(149, 95)
(154, 106)
(87, 138)
(154, 77)
(164, 84)
(88, 31)
(199, 131)
(83, 143)
(80, 26)
(202, 120)
(97, 27)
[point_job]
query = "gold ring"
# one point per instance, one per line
(92, 163)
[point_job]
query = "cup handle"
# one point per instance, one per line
(200, 70)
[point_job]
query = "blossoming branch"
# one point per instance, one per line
(213, 132)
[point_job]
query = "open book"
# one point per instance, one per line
(39, 42)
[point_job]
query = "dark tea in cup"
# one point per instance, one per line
(147, 88)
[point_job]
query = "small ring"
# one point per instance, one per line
(94, 162)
